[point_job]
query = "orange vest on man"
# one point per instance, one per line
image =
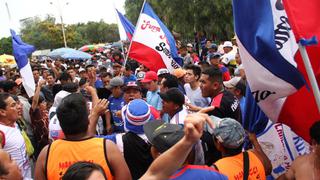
(63, 153)
(233, 167)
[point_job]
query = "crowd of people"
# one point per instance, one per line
(110, 119)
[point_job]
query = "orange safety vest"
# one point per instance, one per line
(233, 167)
(64, 153)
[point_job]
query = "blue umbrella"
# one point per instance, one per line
(59, 52)
(68, 53)
(76, 55)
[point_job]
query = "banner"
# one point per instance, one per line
(278, 141)
(152, 44)
(282, 146)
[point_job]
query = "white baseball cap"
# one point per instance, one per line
(227, 44)
(162, 71)
(232, 82)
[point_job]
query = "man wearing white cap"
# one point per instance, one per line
(161, 74)
(237, 87)
(190, 48)
(229, 56)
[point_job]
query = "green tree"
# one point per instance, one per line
(5, 46)
(187, 17)
(100, 32)
(46, 34)
(43, 34)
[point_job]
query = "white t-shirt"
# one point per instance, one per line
(16, 147)
(179, 117)
(119, 141)
(237, 70)
(195, 96)
(226, 58)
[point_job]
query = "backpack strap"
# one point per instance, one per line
(215, 167)
(246, 165)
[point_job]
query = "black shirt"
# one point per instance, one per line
(137, 154)
(226, 105)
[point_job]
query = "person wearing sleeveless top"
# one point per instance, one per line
(229, 136)
(79, 145)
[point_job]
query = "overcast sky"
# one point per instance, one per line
(73, 11)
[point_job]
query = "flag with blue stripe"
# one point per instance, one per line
(270, 57)
(21, 50)
(127, 25)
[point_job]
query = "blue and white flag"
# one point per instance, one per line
(268, 50)
(277, 140)
(126, 25)
(21, 51)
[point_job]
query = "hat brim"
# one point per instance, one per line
(126, 88)
(116, 65)
(174, 133)
(109, 87)
(146, 80)
(150, 127)
(227, 84)
(134, 128)
(215, 121)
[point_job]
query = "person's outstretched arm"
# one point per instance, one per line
(171, 160)
(261, 155)
(35, 98)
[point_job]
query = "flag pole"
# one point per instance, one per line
(311, 76)
(8, 11)
(117, 17)
(125, 61)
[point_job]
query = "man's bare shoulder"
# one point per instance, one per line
(304, 158)
(301, 165)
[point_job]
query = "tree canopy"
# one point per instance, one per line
(47, 34)
(212, 18)
(5, 45)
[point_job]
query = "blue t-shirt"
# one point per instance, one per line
(111, 137)
(115, 105)
(130, 78)
(198, 172)
(243, 106)
(98, 83)
(154, 99)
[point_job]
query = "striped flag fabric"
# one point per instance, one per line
(126, 24)
(152, 44)
(21, 51)
(270, 56)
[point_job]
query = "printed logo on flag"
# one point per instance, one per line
(152, 44)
